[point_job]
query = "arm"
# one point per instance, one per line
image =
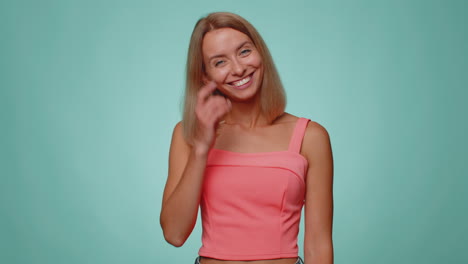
(182, 193)
(318, 244)
(187, 164)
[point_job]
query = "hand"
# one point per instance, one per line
(209, 111)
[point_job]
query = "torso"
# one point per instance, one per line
(275, 137)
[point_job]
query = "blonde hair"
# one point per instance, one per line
(272, 96)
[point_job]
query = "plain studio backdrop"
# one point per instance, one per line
(91, 90)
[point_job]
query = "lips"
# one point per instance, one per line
(242, 83)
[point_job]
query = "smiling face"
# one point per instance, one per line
(232, 61)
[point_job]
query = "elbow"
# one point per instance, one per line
(174, 240)
(175, 232)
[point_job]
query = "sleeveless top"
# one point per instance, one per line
(251, 202)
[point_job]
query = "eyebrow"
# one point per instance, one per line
(240, 46)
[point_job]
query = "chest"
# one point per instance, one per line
(274, 138)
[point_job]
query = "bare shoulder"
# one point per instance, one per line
(315, 131)
(286, 118)
(179, 145)
(178, 129)
(178, 134)
(316, 141)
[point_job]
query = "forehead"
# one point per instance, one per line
(221, 41)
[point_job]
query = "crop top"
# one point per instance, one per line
(251, 202)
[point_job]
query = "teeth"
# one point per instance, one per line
(242, 82)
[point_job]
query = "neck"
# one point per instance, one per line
(246, 114)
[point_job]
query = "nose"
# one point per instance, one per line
(238, 68)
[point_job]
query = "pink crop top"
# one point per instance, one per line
(251, 202)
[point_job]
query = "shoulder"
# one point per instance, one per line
(178, 138)
(285, 118)
(178, 130)
(316, 141)
(315, 131)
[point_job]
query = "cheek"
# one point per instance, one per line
(219, 75)
(256, 61)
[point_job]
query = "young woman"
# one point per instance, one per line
(246, 163)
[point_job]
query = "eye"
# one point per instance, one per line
(245, 52)
(218, 63)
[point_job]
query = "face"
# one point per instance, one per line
(233, 62)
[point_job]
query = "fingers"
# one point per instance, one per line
(210, 113)
(218, 106)
(210, 109)
(213, 110)
(205, 92)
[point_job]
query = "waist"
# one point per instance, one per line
(204, 260)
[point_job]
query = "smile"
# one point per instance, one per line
(243, 83)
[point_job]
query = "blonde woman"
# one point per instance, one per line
(249, 166)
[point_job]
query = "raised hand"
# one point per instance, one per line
(209, 110)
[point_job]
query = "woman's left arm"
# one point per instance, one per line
(318, 244)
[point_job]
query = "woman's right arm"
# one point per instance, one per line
(187, 164)
(183, 189)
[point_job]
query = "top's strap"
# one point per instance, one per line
(298, 135)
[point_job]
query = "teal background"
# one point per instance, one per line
(91, 90)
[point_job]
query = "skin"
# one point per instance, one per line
(229, 56)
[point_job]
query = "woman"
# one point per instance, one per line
(250, 166)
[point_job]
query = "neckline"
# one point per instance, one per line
(262, 153)
(243, 153)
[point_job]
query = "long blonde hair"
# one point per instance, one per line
(272, 95)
